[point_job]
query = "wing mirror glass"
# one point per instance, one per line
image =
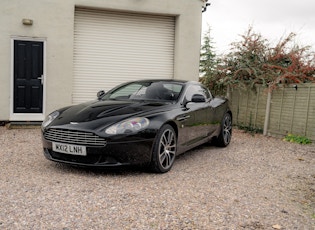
(198, 98)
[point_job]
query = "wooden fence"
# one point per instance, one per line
(290, 109)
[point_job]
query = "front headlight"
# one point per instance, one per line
(132, 125)
(50, 118)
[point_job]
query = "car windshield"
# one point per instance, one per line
(161, 90)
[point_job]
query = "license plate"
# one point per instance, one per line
(69, 149)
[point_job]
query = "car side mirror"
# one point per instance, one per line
(198, 98)
(100, 94)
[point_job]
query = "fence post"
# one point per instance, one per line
(267, 112)
(308, 109)
(228, 92)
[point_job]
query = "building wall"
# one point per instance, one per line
(53, 22)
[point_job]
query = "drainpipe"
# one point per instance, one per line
(267, 115)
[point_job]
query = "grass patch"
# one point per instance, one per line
(297, 139)
(250, 129)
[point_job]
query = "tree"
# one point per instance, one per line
(208, 67)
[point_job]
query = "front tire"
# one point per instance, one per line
(164, 150)
(225, 135)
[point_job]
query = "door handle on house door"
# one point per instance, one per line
(41, 78)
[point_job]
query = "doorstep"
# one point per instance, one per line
(23, 124)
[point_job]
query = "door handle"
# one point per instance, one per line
(182, 118)
(41, 78)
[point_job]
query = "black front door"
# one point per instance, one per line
(28, 77)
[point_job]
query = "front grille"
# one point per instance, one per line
(74, 137)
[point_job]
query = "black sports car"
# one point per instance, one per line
(146, 122)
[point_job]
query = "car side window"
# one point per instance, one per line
(206, 93)
(197, 89)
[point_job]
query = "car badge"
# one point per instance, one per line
(73, 123)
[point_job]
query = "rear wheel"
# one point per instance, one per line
(225, 135)
(164, 150)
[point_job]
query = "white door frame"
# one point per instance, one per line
(27, 116)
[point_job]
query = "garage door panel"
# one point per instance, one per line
(113, 47)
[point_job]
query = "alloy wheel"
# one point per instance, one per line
(167, 149)
(227, 128)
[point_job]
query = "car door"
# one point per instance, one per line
(211, 120)
(204, 112)
(199, 115)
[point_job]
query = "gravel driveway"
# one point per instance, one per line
(254, 183)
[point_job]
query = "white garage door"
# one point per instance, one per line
(114, 47)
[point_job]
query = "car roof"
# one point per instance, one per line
(165, 80)
(168, 80)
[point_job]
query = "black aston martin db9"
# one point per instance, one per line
(146, 122)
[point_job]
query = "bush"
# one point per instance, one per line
(297, 139)
(253, 61)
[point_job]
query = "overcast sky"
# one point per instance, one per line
(273, 19)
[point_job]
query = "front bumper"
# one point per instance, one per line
(113, 154)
